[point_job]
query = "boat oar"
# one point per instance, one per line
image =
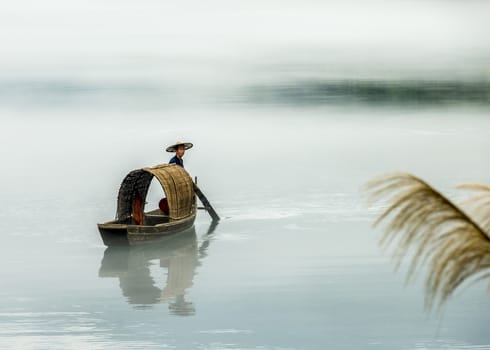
(207, 206)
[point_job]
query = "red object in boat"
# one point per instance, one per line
(163, 205)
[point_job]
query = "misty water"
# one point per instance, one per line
(288, 125)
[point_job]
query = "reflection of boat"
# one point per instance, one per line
(179, 254)
(132, 224)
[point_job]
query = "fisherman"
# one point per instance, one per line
(179, 148)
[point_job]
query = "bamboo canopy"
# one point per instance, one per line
(175, 181)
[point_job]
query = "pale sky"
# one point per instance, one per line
(95, 27)
(103, 38)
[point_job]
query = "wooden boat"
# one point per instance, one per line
(132, 224)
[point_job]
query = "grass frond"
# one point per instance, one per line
(478, 205)
(423, 223)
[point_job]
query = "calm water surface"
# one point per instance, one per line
(293, 264)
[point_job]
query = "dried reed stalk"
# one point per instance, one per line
(455, 244)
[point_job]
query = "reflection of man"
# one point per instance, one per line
(179, 148)
(181, 267)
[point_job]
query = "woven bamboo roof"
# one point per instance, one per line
(175, 181)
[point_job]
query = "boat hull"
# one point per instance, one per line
(114, 233)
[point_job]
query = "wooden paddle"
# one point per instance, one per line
(205, 202)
